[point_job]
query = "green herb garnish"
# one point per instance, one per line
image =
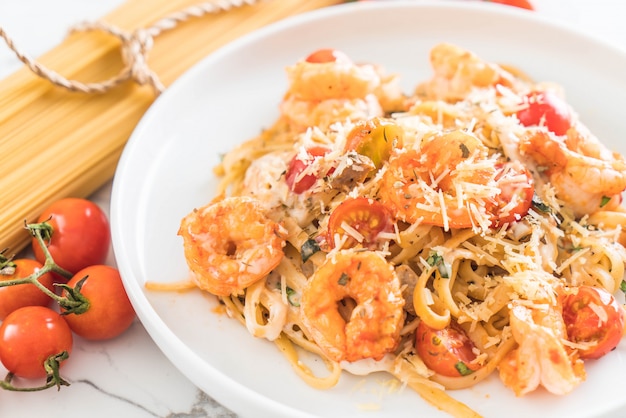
(309, 248)
(540, 205)
(436, 260)
(343, 279)
(463, 369)
(293, 297)
(605, 200)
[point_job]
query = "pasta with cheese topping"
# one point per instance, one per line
(442, 235)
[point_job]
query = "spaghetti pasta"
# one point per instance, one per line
(460, 229)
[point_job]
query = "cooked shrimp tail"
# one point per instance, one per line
(585, 175)
(541, 358)
(372, 328)
(231, 244)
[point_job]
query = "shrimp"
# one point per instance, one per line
(585, 175)
(340, 79)
(302, 114)
(445, 183)
(541, 358)
(457, 71)
(230, 244)
(322, 93)
(373, 327)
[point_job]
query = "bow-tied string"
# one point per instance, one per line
(135, 47)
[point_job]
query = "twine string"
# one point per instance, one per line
(135, 47)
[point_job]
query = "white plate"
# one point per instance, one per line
(166, 170)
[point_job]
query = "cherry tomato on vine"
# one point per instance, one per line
(546, 108)
(110, 312)
(516, 193)
(17, 296)
(325, 55)
(448, 351)
(523, 4)
(375, 139)
(298, 182)
(592, 315)
(29, 336)
(366, 216)
(81, 235)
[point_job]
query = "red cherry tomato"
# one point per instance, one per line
(592, 315)
(31, 335)
(516, 196)
(110, 312)
(298, 182)
(18, 296)
(375, 139)
(325, 55)
(545, 108)
(367, 217)
(523, 4)
(81, 235)
(448, 351)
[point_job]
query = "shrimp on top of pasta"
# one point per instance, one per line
(469, 228)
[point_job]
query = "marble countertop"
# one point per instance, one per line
(129, 376)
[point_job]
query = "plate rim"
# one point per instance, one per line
(255, 399)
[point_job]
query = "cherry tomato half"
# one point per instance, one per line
(516, 196)
(325, 55)
(523, 4)
(81, 235)
(110, 312)
(29, 336)
(366, 216)
(375, 139)
(592, 315)
(448, 351)
(545, 108)
(18, 296)
(297, 182)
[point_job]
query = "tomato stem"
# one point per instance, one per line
(7, 266)
(42, 233)
(75, 302)
(53, 378)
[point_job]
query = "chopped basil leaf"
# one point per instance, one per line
(622, 286)
(540, 205)
(463, 369)
(436, 260)
(343, 279)
(605, 200)
(309, 248)
(465, 152)
(293, 297)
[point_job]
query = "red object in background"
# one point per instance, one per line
(523, 4)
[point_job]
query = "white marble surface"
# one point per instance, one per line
(129, 376)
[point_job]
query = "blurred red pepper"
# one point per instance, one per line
(524, 4)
